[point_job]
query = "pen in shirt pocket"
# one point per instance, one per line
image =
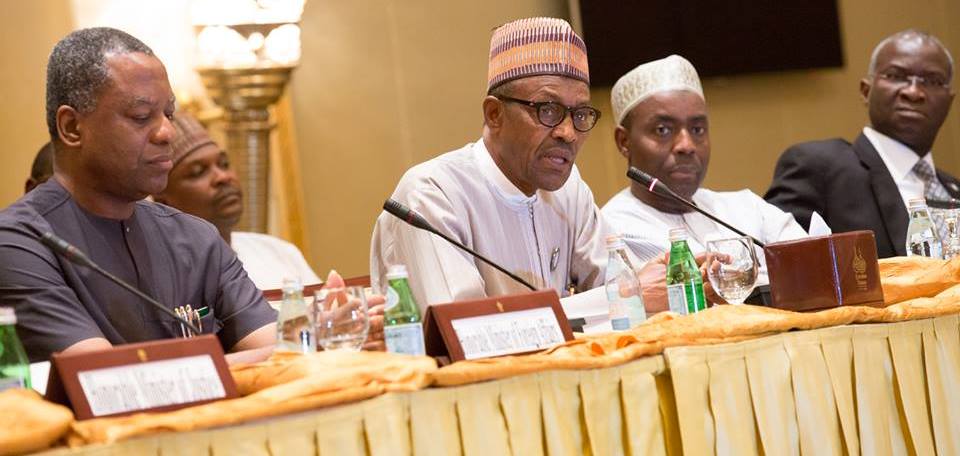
(201, 312)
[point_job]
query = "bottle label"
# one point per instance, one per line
(392, 299)
(10, 383)
(677, 298)
(620, 324)
(695, 298)
(405, 338)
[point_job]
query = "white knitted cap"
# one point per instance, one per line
(664, 75)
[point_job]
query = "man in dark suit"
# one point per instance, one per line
(866, 185)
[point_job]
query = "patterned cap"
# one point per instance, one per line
(533, 47)
(664, 75)
(190, 136)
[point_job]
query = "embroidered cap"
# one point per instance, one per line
(190, 136)
(533, 47)
(664, 75)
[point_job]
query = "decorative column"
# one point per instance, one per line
(247, 50)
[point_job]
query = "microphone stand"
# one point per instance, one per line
(652, 183)
(411, 217)
(68, 251)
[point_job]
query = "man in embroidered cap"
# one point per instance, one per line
(866, 185)
(202, 183)
(515, 195)
(663, 129)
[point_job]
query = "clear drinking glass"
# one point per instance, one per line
(342, 318)
(733, 271)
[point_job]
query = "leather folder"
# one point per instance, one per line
(822, 272)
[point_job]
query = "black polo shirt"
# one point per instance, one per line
(174, 257)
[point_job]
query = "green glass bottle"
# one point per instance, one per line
(402, 330)
(14, 364)
(684, 282)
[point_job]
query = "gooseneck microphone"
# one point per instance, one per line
(74, 255)
(659, 188)
(410, 216)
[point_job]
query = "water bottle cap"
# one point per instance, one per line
(7, 316)
(678, 234)
(291, 284)
(614, 241)
(397, 271)
(916, 203)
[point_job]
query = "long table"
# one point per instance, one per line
(890, 388)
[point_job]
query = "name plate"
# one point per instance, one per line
(490, 327)
(150, 376)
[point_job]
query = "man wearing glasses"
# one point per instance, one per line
(515, 195)
(866, 185)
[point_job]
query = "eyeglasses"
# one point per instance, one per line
(900, 79)
(551, 113)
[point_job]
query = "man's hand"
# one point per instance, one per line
(653, 279)
(708, 261)
(375, 340)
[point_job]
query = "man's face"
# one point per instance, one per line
(908, 111)
(203, 184)
(667, 136)
(125, 140)
(530, 154)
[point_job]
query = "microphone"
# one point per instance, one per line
(410, 216)
(74, 255)
(659, 188)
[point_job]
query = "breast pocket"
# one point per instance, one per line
(208, 324)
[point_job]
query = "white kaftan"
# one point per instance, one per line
(551, 239)
(645, 230)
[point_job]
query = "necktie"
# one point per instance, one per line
(933, 190)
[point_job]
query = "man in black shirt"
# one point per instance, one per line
(109, 106)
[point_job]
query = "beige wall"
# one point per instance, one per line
(754, 118)
(29, 31)
(385, 84)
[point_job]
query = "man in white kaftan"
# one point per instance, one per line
(551, 239)
(662, 129)
(515, 195)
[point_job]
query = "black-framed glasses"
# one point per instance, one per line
(902, 79)
(551, 113)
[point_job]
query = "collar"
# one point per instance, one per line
(899, 158)
(505, 189)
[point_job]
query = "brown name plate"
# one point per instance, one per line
(822, 272)
(499, 326)
(153, 376)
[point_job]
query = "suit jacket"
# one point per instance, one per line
(849, 186)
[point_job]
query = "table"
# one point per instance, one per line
(891, 388)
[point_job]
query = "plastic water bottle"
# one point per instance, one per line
(922, 236)
(402, 330)
(296, 329)
(684, 282)
(623, 287)
(14, 365)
